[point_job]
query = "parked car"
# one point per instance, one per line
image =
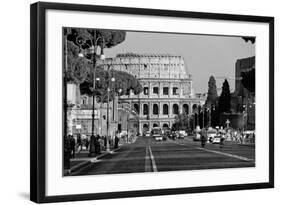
(218, 136)
(216, 139)
(182, 134)
(147, 134)
(249, 136)
(211, 133)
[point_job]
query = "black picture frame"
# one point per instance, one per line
(38, 100)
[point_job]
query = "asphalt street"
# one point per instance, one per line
(148, 155)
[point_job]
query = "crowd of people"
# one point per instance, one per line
(74, 145)
(237, 136)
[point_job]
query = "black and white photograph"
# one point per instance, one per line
(145, 101)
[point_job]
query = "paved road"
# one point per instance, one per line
(147, 155)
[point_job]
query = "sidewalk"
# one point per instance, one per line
(82, 160)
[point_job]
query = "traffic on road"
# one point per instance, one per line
(174, 150)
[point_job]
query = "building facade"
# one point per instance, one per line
(245, 101)
(167, 90)
(79, 114)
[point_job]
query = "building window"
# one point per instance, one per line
(145, 109)
(185, 109)
(175, 90)
(155, 90)
(165, 90)
(84, 101)
(175, 109)
(155, 109)
(165, 109)
(145, 90)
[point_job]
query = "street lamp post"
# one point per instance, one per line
(107, 121)
(107, 110)
(203, 117)
(81, 41)
(119, 91)
(194, 125)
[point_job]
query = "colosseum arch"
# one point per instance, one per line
(155, 125)
(194, 108)
(175, 109)
(145, 109)
(145, 128)
(165, 109)
(185, 109)
(165, 126)
(155, 109)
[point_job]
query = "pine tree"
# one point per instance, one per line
(80, 70)
(212, 92)
(224, 99)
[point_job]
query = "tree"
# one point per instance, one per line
(181, 122)
(103, 38)
(224, 99)
(212, 92)
(80, 70)
(76, 68)
(123, 80)
(76, 40)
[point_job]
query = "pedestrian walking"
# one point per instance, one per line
(222, 141)
(99, 142)
(79, 144)
(203, 140)
(116, 142)
(104, 142)
(87, 143)
(96, 146)
(203, 137)
(72, 146)
(67, 152)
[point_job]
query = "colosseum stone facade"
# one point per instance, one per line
(167, 88)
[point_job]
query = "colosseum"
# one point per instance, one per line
(167, 89)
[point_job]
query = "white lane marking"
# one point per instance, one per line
(221, 153)
(226, 154)
(154, 167)
(147, 166)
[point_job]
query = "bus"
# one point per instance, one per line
(157, 134)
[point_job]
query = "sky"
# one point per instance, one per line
(204, 55)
